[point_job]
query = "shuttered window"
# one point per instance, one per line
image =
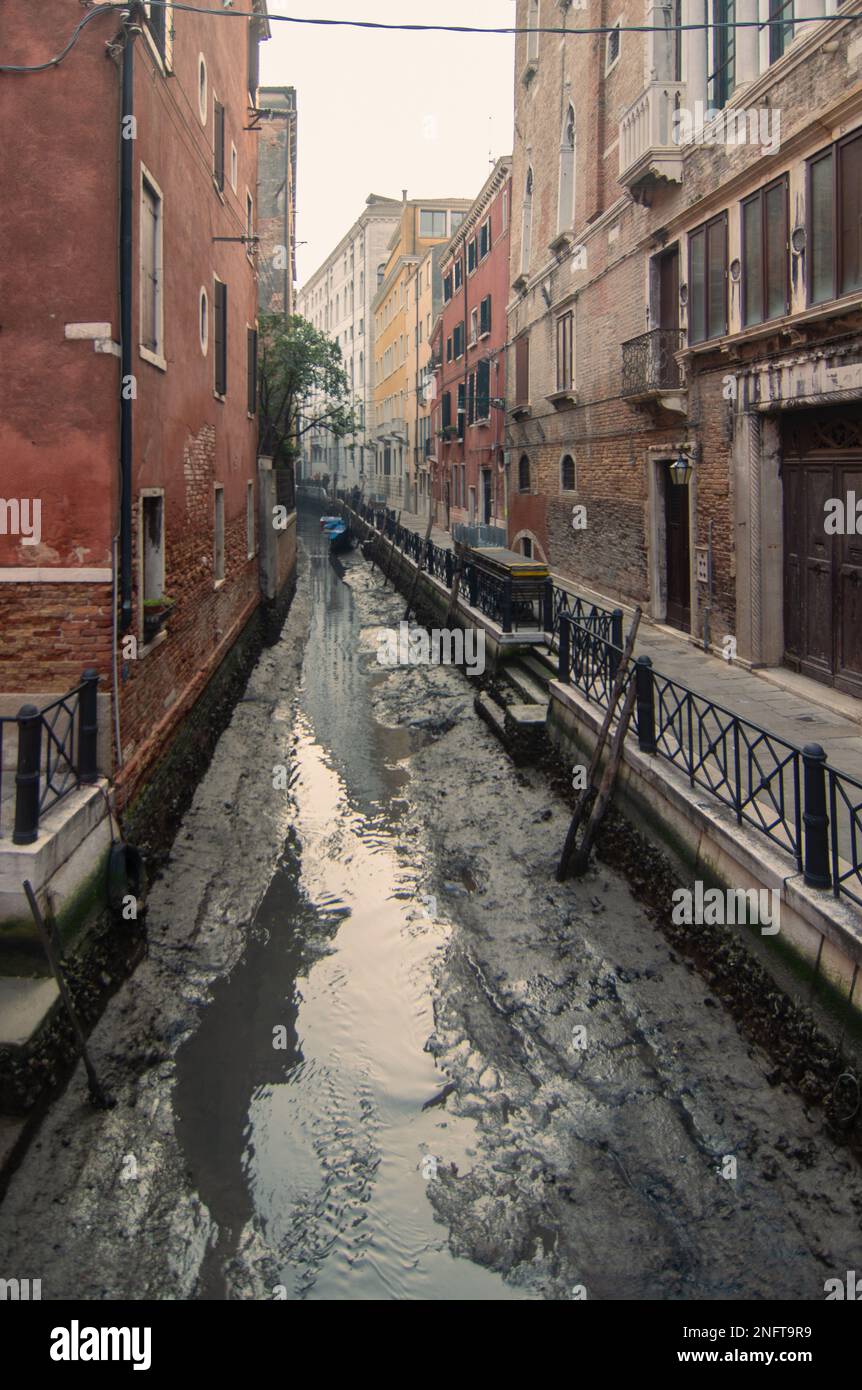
(564, 352)
(485, 315)
(458, 340)
(471, 256)
(446, 410)
(835, 221)
(461, 409)
(220, 337)
(151, 267)
(218, 145)
(707, 280)
(765, 254)
(471, 398)
(483, 391)
(251, 336)
(522, 370)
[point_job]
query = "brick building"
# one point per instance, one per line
(128, 361)
(276, 200)
(470, 478)
(686, 269)
(422, 224)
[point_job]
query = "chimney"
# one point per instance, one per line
(404, 195)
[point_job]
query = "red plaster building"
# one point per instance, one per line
(470, 353)
(129, 359)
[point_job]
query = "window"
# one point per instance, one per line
(485, 316)
(613, 47)
(220, 337)
(781, 29)
(765, 253)
(484, 238)
(461, 408)
(566, 198)
(153, 545)
(202, 88)
(523, 474)
(707, 280)
(158, 26)
(533, 27)
(432, 222)
(458, 273)
(474, 325)
(456, 218)
(835, 220)
(218, 535)
(522, 370)
(203, 320)
(504, 209)
(446, 410)
(471, 255)
(251, 359)
(567, 473)
(151, 326)
(471, 398)
(483, 391)
(565, 326)
(249, 519)
(527, 223)
(218, 145)
(722, 79)
(527, 548)
(458, 340)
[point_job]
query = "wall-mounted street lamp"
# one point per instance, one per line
(682, 468)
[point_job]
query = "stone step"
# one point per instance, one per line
(531, 690)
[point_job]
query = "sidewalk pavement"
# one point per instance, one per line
(793, 707)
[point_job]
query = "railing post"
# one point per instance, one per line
(564, 651)
(617, 640)
(816, 865)
(88, 728)
(548, 606)
(506, 605)
(473, 585)
(27, 776)
(645, 698)
(450, 568)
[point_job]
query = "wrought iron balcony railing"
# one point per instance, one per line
(649, 364)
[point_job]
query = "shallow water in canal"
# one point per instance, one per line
(310, 1154)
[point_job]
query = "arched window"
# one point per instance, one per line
(533, 35)
(566, 202)
(567, 473)
(523, 474)
(527, 223)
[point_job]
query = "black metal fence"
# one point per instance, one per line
(57, 752)
(789, 794)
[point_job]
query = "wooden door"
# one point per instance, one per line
(677, 565)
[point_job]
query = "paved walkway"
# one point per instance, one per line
(795, 709)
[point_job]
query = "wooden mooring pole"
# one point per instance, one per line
(595, 761)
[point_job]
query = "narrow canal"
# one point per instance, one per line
(300, 1097)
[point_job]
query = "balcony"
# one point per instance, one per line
(650, 370)
(649, 149)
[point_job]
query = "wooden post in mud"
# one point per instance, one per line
(98, 1095)
(392, 550)
(460, 557)
(582, 853)
(420, 567)
(595, 761)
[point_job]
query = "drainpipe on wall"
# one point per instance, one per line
(131, 30)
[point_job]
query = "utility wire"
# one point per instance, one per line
(432, 28)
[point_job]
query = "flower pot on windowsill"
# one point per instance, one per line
(156, 613)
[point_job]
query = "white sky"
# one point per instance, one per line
(379, 112)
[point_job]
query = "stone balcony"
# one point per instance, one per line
(649, 149)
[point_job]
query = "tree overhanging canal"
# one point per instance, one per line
(376, 1051)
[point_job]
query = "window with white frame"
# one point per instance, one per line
(203, 320)
(612, 51)
(151, 271)
(533, 27)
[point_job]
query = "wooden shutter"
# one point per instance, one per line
(220, 337)
(522, 370)
(483, 391)
(850, 205)
(252, 370)
(218, 148)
